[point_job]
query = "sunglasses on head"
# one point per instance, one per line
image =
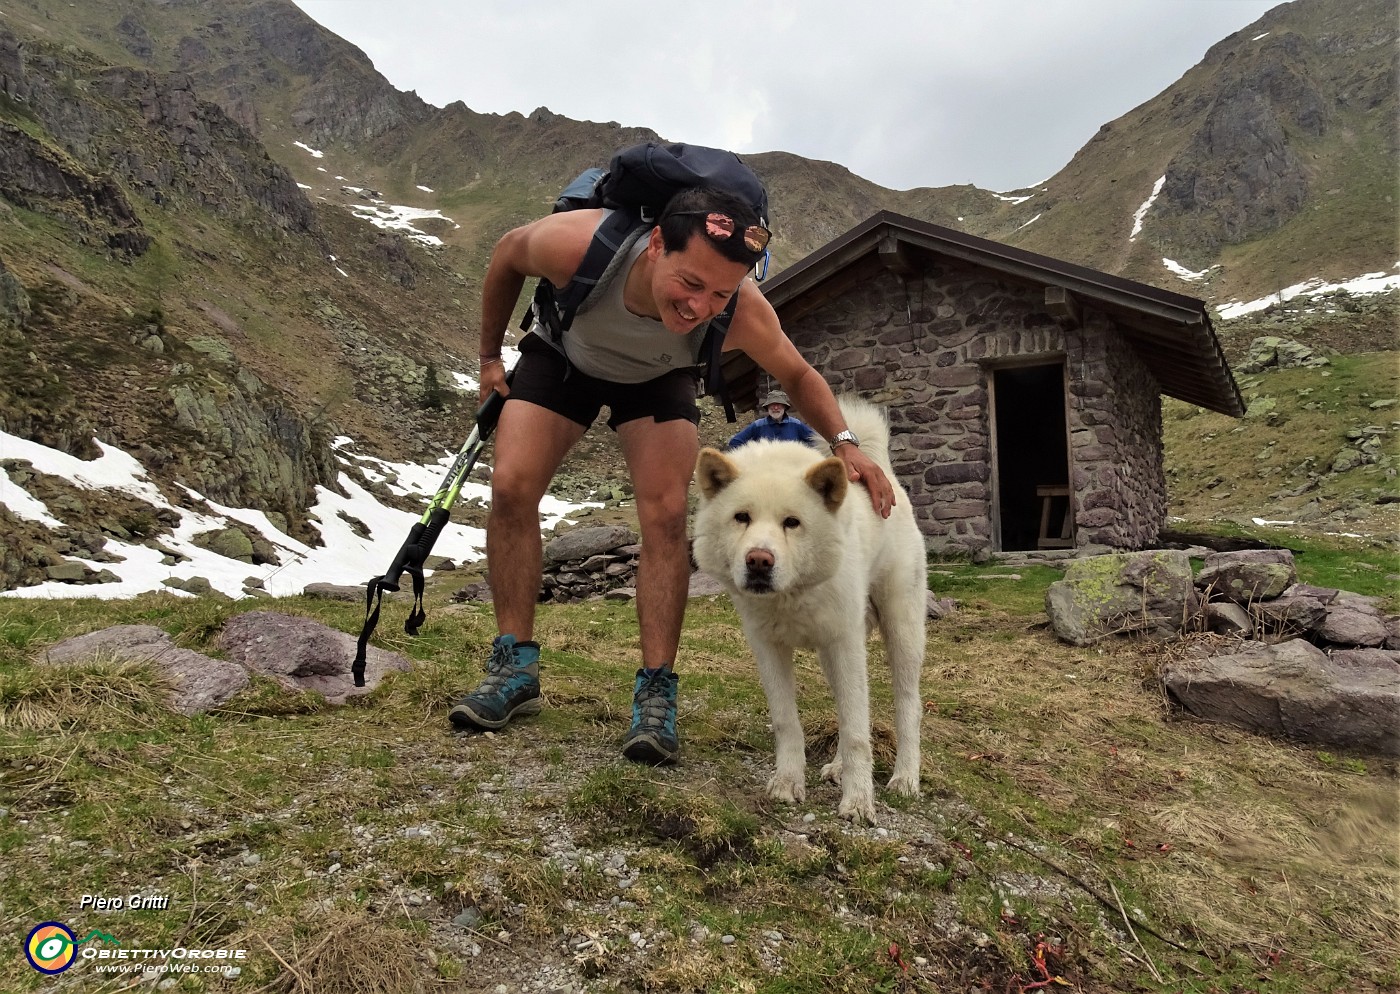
(721, 227)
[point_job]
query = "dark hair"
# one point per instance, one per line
(678, 223)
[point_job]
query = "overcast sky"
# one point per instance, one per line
(1000, 93)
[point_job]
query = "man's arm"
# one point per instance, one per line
(757, 333)
(552, 247)
(744, 434)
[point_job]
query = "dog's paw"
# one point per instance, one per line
(784, 787)
(906, 784)
(858, 807)
(832, 770)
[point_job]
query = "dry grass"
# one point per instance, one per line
(1063, 797)
(105, 694)
(342, 953)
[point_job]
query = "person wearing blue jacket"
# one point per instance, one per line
(776, 424)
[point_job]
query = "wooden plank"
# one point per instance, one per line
(895, 257)
(1064, 307)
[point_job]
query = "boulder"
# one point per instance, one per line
(1228, 618)
(581, 543)
(478, 592)
(1294, 689)
(1367, 659)
(1247, 576)
(1392, 632)
(936, 607)
(197, 682)
(336, 592)
(1351, 623)
(303, 654)
(704, 585)
(1143, 592)
(231, 542)
(1291, 614)
(67, 571)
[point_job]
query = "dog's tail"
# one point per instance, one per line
(871, 427)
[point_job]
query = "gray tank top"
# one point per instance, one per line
(609, 342)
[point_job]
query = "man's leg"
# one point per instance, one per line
(661, 458)
(531, 441)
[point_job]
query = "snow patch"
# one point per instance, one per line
(1360, 286)
(1141, 212)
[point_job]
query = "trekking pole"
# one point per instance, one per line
(424, 534)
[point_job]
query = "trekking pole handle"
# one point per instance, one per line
(490, 411)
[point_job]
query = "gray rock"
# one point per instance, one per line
(580, 543)
(67, 572)
(1348, 624)
(621, 594)
(231, 542)
(479, 592)
(1367, 659)
(1146, 592)
(1249, 575)
(939, 607)
(704, 585)
(1229, 619)
(1324, 594)
(302, 654)
(336, 592)
(1293, 689)
(197, 682)
(1291, 614)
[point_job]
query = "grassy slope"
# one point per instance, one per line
(1225, 470)
(1057, 783)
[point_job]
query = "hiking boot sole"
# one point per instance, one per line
(646, 749)
(463, 716)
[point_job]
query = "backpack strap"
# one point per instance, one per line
(555, 307)
(711, 349)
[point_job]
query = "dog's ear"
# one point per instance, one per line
(828, 479)
(714, 471)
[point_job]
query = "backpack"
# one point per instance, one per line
(638, 183)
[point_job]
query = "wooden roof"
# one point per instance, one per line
(1171, 332)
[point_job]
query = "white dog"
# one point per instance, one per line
(803, 555)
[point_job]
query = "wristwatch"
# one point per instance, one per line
(845, 436)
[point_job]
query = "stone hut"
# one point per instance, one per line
(1023, 391)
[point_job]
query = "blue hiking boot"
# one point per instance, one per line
(652, 738)
(511, 687)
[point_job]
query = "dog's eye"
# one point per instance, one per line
(742, 517)
(791, 523)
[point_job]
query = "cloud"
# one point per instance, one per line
(1000, 93)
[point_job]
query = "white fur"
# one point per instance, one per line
(839, 560)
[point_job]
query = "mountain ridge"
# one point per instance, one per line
(184, 277)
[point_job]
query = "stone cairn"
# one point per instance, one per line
(582, 563)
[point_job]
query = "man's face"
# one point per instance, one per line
(776, 411)
(693, 285)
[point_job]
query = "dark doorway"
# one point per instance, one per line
(1032, 457)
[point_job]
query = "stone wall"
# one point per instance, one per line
(1115, 442)
(927, 346)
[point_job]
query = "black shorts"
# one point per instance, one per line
(544, 377)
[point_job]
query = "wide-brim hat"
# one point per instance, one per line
(775, 397)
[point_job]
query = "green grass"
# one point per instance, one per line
(1276, 466)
